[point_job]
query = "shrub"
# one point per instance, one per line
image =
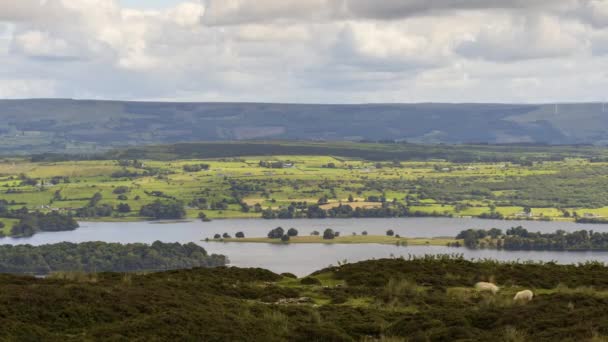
(276, 233)
(310, 281)
(163, 210)
(239, 235)
(328, 234)
(123, 208)
(121, 190)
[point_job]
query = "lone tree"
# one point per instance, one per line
(124, 208)
(390, 232)
(239, 235)
(203, 217)
(364, 233)
(226, 236)
(328, 234)
(217, 236)
(292, 232)
(276, 233)
(315, 233)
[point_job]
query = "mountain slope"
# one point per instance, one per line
(69, 125)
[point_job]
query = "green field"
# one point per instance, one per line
(241, 188)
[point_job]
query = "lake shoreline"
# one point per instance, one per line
(193, 219)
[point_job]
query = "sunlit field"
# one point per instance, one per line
(556, 190)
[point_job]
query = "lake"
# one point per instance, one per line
(302, 259)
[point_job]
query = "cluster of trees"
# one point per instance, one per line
(329, 234)
(568, 188)
(95, 209)
(518, 238)
(238, 235)
(195, 167)
(472, 237)
(102, 210)
(31, 223)
(120, 190)
(131, 163)
(280, 233)
(125, 173)
(273, 164)
(296, 210)
(163, 210)
(104, 257)
(594, 220)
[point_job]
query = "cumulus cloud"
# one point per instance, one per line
(394, 9)
(528, 37)
(226, 12)
(595, 12)
(303, 51)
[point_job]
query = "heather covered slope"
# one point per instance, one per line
(428, 299)
(73, 126)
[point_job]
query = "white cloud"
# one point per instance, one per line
(41, 44)
(305, 51)
(511, 39)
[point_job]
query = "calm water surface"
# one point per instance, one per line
(306, 258)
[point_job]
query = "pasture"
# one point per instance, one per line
(241, 187)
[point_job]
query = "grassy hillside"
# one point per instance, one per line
(78, 126)
(390, 300)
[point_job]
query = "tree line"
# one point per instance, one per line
(518, 238)
(104, 257)
(314, 211)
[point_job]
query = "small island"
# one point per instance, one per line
(280, 236)
(357, 239)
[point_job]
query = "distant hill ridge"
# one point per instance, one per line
(63, 125)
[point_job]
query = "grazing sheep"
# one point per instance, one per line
(486, 287)
(523, 296)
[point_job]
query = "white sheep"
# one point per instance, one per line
(486, 287)
(523, 296)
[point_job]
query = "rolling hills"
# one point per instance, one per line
(61, 125)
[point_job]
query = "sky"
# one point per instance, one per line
(306, 51)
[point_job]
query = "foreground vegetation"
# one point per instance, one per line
(391, 299)
(104, 257)
(348, 180)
